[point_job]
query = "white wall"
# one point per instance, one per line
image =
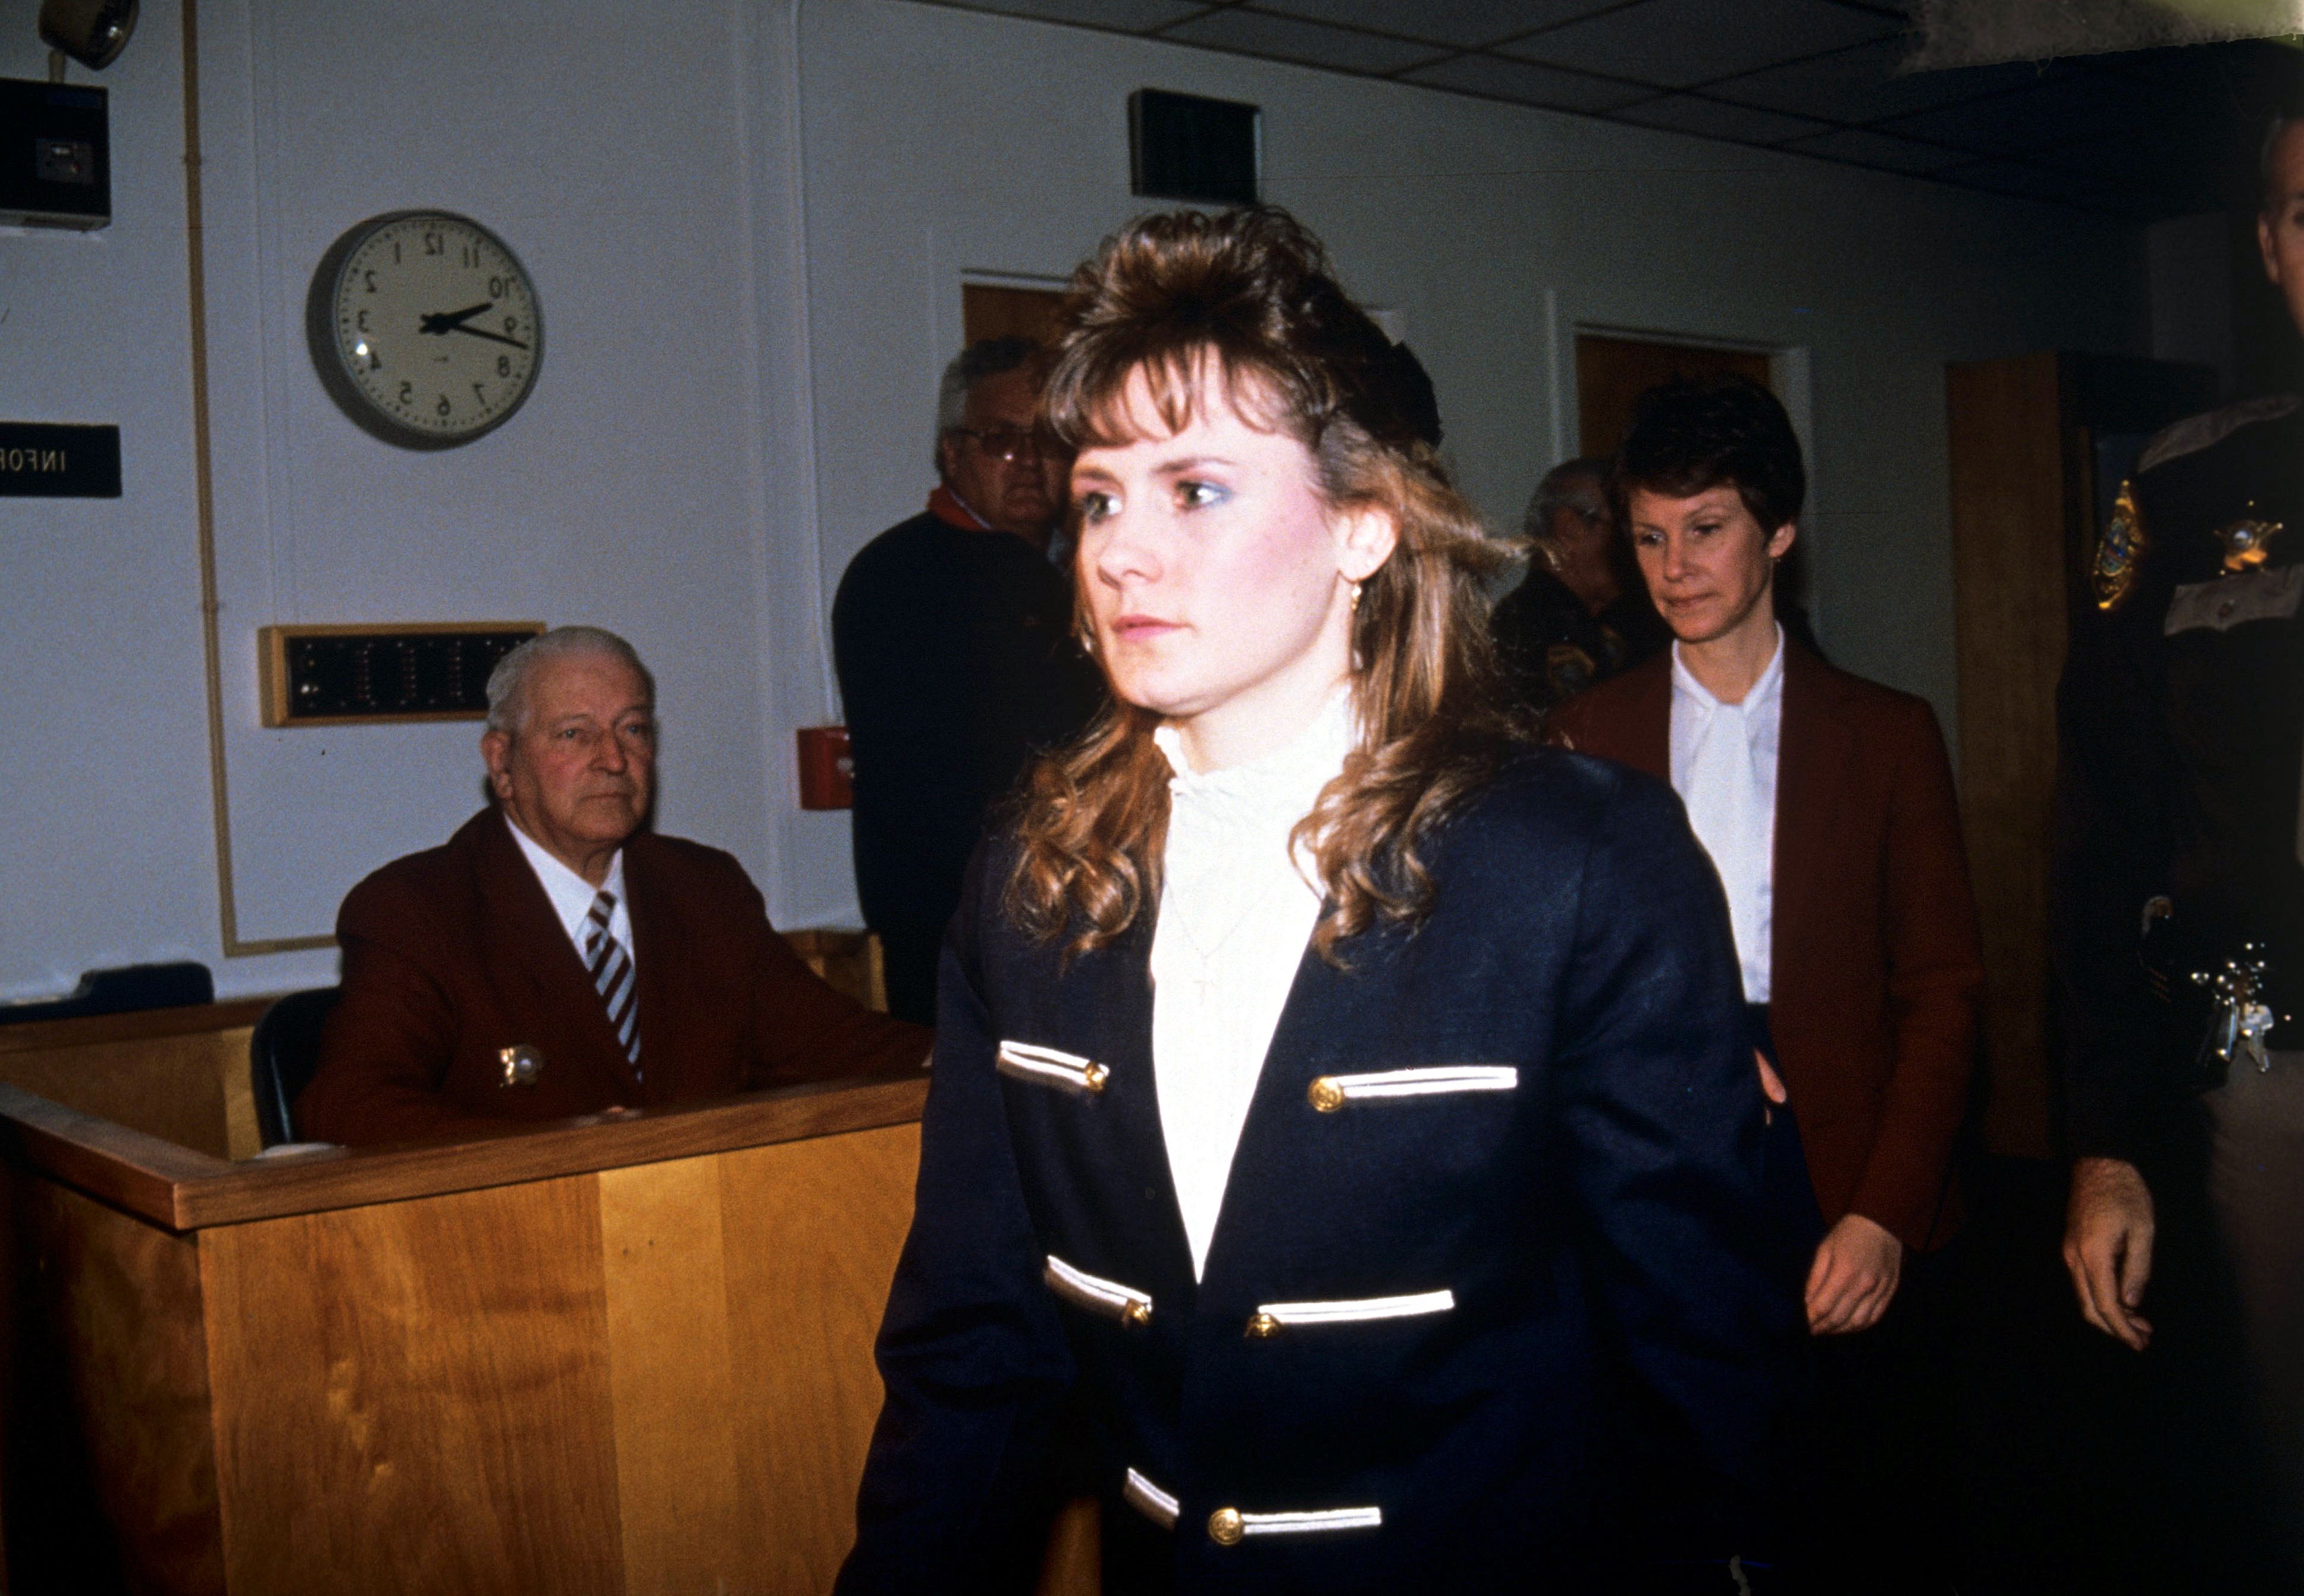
(614, 157)
(940, 141)
(748, 229)
(2188, 260)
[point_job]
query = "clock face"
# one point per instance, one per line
(425, 328)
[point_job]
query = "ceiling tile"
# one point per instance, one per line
(1462, 23)
(1683, 42)
(2014, 177)
(1863, 85)
(1124, 16)
(2161, 178)
(1882, 151)
(2049, 113)
(2159, 66)
(1531, 85)
(1286, 38)
(1711, 119)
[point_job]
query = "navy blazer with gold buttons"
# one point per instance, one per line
(1492, 1166)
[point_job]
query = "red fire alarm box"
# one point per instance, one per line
(826, 773)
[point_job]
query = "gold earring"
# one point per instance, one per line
(1355, 587)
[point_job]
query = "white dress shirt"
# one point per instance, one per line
(1723, 766)
(571, 895)
(1236, 912)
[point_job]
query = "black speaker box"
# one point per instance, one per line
(55, 155)
(1183, 146)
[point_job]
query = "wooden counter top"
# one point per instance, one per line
(182, 1189)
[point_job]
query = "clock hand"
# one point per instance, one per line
(452, 321)
(475, 332)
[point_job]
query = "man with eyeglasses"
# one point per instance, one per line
(558, 957)
(953, 636)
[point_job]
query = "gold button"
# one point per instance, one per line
(1095, 1076)
(523, 1064)
(1261, 1325)
(1224, 1527)
(1326, 1095)
(1136, 1315)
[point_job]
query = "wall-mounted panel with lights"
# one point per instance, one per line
(350, 675)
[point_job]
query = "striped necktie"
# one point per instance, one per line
(611, 975)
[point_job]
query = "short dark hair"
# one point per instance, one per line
(2268, 201)
(1688, 437)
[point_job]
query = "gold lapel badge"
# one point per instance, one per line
(2119, 552)
(2248, 541)
(523, 1065)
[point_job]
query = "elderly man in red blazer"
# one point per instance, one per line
(557, 959)
(1827, 804)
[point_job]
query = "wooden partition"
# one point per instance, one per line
(629, 1356)
(178, 1073)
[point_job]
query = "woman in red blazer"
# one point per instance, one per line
(1826, 802)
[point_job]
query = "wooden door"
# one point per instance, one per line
(988, 310)
(2034, 441)
(1612, 372)
(2011, 514)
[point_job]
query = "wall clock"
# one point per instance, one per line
(425, 328)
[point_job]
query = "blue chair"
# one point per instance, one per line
(283, 1054)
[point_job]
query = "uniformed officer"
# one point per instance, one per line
(2179, 896)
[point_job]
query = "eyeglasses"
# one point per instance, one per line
(1010, 444)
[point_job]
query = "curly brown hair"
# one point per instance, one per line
(1248, 297)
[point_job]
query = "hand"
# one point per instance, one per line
(491, 337)
(1853, 1278)
(1771, 1087)
(2108, 1247)
(444, 322)
(441, 322)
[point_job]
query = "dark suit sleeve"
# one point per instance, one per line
(2113, 838)
(387, 1044)
(900, 648)
(970, 1353)
(1665, 1124)
(802, 1029)
(1935, 982)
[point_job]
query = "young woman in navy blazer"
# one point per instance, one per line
(1338, 1110)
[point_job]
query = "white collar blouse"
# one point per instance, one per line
(1237, 910)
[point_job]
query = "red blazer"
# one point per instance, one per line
(1876, 972)
(454, 954)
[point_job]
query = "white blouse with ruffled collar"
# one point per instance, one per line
(1236, 912)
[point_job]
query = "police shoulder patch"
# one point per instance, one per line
(2119, 552)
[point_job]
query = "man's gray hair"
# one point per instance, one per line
(985, 357)
(1578, 484)
(508, 682)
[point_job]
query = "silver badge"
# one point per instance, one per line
(523, 1065)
